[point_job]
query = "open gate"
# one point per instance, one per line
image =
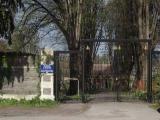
(67, 76)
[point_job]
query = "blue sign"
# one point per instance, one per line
(47, 68)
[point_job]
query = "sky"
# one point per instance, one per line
(52, 40)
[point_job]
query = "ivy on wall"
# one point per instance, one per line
(7, 63)
(5, 70)
(48, 57)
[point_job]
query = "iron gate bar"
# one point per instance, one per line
(65, 52)
(149, 85)
(155, 52)
(56, 75)
(116, 40)
(83, 75)
(149, 56)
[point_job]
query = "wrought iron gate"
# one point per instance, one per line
(110, 66)
(114, 66)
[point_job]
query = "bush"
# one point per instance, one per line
(142, 95)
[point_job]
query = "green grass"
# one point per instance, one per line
(36, 102)
(74, 97)
(155, 106)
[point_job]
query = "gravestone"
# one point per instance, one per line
(47, 74)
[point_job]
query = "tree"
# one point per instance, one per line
(132, 20)
(8, 8)
(121, 23)
(25, 39)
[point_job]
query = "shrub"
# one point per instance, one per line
(142, 95)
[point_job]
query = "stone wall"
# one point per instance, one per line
(19, 76)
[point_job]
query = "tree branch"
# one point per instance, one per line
(55, 20)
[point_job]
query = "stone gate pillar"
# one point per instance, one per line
(47, 74)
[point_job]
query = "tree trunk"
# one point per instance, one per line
(74, 30)
(143, 22)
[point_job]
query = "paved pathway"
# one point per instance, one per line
(91, 111)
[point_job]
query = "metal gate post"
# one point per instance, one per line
(149, 83)
(56, 55)
(83, 74)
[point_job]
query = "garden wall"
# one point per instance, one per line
(19, 77)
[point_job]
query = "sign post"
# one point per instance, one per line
(47, 75)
